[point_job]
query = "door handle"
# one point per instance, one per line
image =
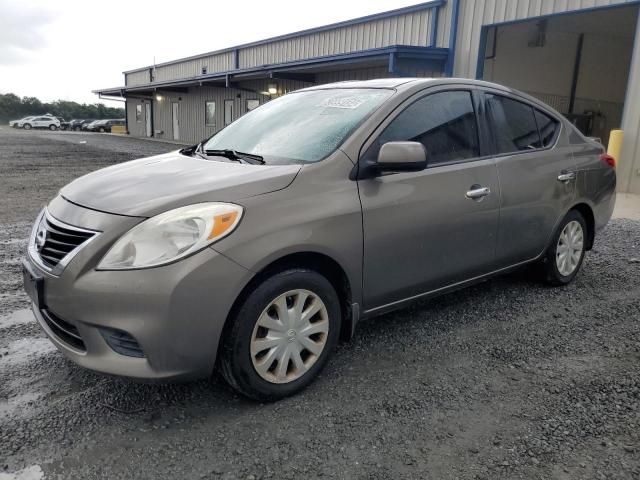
(478, 193)
(566, 176)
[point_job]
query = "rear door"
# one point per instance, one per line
(422, 231)
(537, 175)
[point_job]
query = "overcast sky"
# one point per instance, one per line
(65, 49)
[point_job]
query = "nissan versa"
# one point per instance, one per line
(258, 249)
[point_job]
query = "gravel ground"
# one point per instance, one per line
(508, 379)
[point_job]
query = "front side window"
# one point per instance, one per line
(210, 114)
(302, 126)
(443, 122)
(138, 113)
(514, 124)
(228, 112)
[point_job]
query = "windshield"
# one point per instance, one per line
(301, 126)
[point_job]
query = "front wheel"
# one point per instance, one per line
(27, 126)
(566, 252)
(101, 130)
(282, 335)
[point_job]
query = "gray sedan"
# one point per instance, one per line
(257, 250)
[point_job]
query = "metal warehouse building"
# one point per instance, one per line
(580, 56)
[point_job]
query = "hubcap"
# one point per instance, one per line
(569, 248)
(289, 336)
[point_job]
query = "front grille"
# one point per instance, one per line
(63, 330)
(122, 343)
(54, 240)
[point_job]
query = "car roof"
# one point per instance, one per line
(407, 82)
(416, 84)
(376, 83)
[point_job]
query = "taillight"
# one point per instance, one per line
(608, 160)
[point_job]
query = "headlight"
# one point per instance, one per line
(172, 235)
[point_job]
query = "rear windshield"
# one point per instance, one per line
(301, 126)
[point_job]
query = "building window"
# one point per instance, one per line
(138, 113)
(252, 104)
(210, 114)
(228, 112)
(204, 70)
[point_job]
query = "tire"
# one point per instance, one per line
(27, 126)
(555, 272)
(101, 130)
(53, 128)
(239, 364)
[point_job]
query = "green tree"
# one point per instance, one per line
(13, 107)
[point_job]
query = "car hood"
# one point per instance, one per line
(153, 185)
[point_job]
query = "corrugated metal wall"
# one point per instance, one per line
(476, 13)
(191, 68)
(409, 29)
(140, 77)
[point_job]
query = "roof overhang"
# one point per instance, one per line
(303, 70)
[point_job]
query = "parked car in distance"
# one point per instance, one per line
(256, 250)
(85, 126)
(19, 123)
(76, 124)
(64, 125)
(52, 123)
(103, 126)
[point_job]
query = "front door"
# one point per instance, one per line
(176, 122)
(147, 119)
(537, 174)
(431, 229)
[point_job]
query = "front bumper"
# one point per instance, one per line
(175, 313)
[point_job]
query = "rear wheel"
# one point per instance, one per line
(282, 335)
(27, 126)
(566, 253)
(101, 130)
(52, 127)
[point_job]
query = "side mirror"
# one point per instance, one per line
(402, 157)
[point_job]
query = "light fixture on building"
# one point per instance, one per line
(273, 89)
(158, 97)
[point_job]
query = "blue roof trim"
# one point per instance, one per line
(453, 37)
(439, 55)
(433, 41)
(433, 4)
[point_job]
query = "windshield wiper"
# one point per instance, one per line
(193, 150)
(237, 156)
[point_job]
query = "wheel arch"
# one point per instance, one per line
(319, 262)
(587, 213)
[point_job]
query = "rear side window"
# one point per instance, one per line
(547, 127)
(443, 122)
(514, 124)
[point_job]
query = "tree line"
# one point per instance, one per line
(13, 107)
